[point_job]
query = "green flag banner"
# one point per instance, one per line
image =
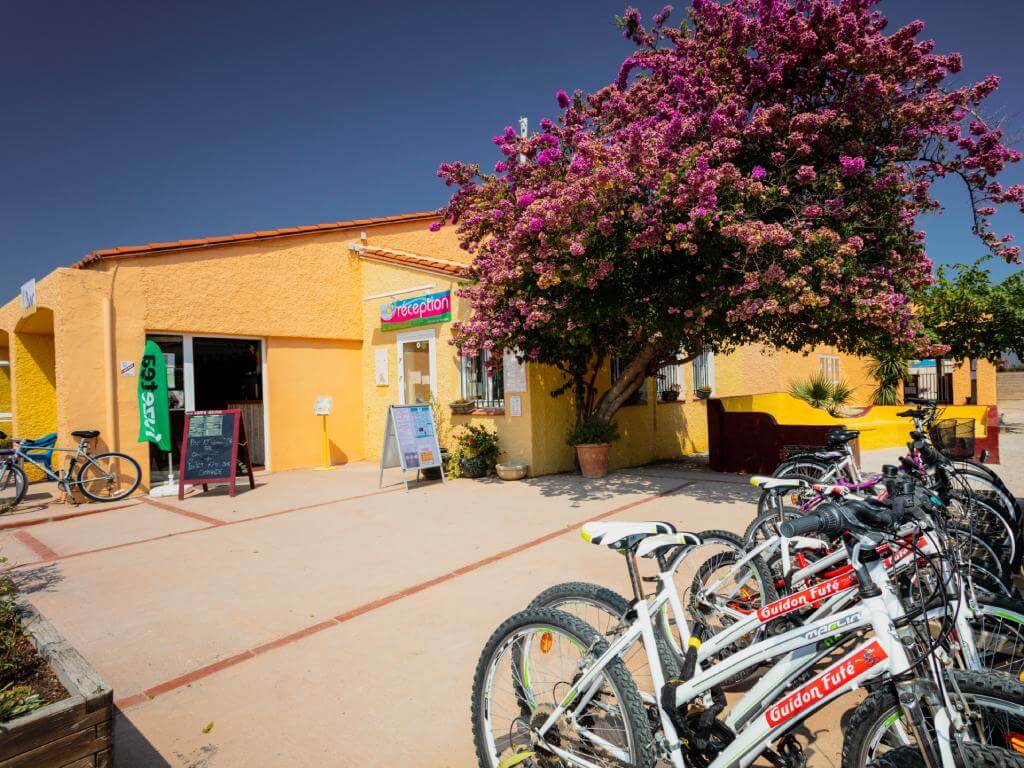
(154, 418)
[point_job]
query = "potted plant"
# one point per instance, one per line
(477, 450)
(592, 440)
(462, 405)
(670, 393)
(703, 392)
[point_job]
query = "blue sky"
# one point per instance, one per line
(129, 123)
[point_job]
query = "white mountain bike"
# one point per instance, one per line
(550, 691)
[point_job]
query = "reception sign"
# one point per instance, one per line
(421, 310)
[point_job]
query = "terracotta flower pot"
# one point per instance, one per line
(593, 458)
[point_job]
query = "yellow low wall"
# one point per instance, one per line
(879, 425)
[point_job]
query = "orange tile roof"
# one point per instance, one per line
(413, 261)
(176, 245)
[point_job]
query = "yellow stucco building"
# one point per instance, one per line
(268, 321)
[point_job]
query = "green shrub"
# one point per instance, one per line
(593, 430)
(16, 700)
(818, 391)
(888, 371)
(475, 441)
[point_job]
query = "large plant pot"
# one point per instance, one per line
(593, 458)
(475, 466)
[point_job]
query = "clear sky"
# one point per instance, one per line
(126, 122)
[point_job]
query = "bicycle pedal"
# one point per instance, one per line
(792, 752)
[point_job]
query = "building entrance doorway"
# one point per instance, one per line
(207, 373)
(416, 367)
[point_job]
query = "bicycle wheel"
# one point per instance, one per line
(525, 671)
(998, 625)
(13, 485)
(717, 591)
(109, 477)
(970, 756)
(808, 468)
(876, 726)
(604, 610)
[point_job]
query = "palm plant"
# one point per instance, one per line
(888, 370)
(819, 391)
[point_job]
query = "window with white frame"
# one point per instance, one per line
(486, 388)
(828, 367)
(670, 377)
(704, 371)
(639, 397)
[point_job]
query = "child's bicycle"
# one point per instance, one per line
(101, 477)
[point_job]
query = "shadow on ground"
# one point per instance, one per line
(42, 578)
(133, 750)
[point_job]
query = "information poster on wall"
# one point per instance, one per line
(514, 373)
(380, 367)
(410, 441)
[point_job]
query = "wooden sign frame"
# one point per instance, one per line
(239, 448)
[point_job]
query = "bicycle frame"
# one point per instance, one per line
(879, 655)
(81, 452)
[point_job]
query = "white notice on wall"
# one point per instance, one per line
(514, 373)
(515, 406)
(380, 370)
(127, 368)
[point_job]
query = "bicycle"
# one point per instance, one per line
(546, 720)
(101, 477)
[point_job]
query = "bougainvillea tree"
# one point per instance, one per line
(753, 175)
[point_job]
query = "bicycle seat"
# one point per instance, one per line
(778, 483)
(622, 535)
(841, 436)
(86, 434)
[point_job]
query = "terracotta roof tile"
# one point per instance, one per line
(414, 261)
(151, 248)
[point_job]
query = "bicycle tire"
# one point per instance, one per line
(9, 470)
(562, 596)
(586, 637)
(135, 475)
(805, 467)
(879, 712)
(974, 756)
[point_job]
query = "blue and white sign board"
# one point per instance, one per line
(28, 294)
(410, 441)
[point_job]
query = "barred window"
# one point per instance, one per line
(704, 371)
(637, 398)
(671, 377)
(484, 387)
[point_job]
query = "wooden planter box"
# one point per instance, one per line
(74, 733)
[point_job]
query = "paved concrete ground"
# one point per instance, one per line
(317, 620)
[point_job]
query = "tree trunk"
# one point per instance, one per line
(632, 378)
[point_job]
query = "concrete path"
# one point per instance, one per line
(317, 620)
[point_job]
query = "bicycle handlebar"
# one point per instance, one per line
(825, 519)
(830, 518)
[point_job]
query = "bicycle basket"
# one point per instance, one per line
(954, 438)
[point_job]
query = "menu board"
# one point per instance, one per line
(210, 449)
(410, 439)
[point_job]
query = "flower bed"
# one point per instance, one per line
(70, 709)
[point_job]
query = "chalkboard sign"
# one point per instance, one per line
(211, 446)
